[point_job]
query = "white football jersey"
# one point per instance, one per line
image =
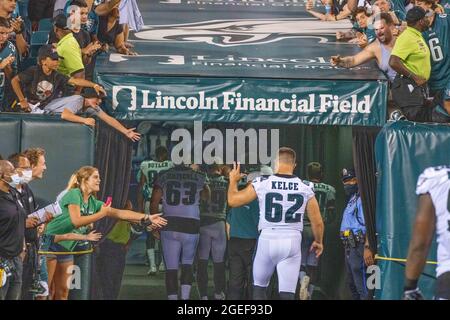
(282, 201)
(436, 182)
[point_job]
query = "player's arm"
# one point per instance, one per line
(157, 194)
(238, 198)
(420, 243)
(313, 211)
(205, 194)
(356, 60)
(140, 196)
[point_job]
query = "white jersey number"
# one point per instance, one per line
(274, 209)
(436, 50)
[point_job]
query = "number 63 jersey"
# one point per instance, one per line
(282, 201)
(181, 188)
(436, 182)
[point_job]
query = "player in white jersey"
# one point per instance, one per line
(147, 175)
(283, 198)
(433, 215)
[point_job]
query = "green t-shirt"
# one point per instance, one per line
(414, 52)
(69, 49)
(62, 224)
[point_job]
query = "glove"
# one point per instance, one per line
(413, 295)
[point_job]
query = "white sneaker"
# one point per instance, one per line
(220, 296)
(161, 268)
(304, 288)
(151, 271)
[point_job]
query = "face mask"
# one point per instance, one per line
(350, 189)
(27, 176)
(15, 180)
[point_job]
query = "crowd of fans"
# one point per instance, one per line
(410, 42)
(48, 51)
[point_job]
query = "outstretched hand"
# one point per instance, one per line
(157, 220)
(133, 135)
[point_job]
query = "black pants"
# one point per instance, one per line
(240, 255)
(110, 265)
(356, 271)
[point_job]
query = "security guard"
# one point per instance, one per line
(353, 234)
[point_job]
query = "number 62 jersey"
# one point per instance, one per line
(436, 182)
(282, 201)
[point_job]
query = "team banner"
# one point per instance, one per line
(325, 102)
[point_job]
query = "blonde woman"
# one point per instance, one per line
(80, 209)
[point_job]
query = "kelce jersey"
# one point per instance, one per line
(181, 191)
(282, 201)
(436, 182)
(150, 169)
(437, 38)
(217, 207)
(324, 194)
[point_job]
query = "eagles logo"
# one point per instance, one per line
(226, 33)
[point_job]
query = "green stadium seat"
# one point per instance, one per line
(45, 25)
(38, 39)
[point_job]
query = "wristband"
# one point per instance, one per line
(410, 284)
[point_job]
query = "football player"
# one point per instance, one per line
(148, 172)
(326, 196)
(180, 189)
(433, 215)
(283, 198)
(212, 235)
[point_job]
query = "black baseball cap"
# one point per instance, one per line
(48, 51)
(348, 174)
(415, 14)
(91, 93)
(60, 21)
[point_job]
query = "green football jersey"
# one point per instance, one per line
(325, 195)
(438, 39)
(217, 206)
(150, 169)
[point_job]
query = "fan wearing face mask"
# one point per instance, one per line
(12, 233)
(20, 183)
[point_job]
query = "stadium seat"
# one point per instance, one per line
(10, 133)
(45, 25)
(38, 39)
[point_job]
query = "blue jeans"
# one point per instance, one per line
(13, 286)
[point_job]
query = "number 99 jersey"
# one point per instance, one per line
(282, 201)
(436, 182)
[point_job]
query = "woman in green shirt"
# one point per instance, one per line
(80, 209)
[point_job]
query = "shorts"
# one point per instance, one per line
(60, 258)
